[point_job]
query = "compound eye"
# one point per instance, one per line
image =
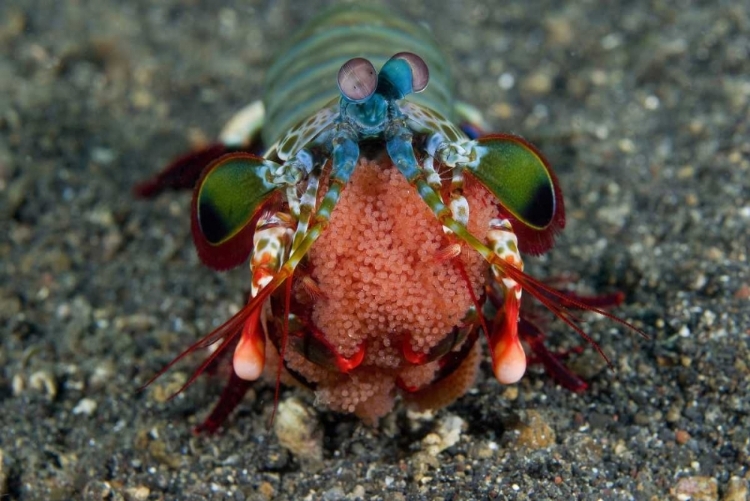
(420, 74)
(357, 79)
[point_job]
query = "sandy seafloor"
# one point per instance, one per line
(643, 108)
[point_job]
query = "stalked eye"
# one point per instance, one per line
(357, 79)
(420, 73)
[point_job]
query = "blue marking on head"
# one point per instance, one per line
(395, 79)
(367, 98)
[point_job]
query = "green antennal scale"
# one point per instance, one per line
(517, 174)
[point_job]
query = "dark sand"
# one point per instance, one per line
(642, 108)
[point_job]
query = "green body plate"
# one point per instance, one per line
(302, 79)
(230, 194)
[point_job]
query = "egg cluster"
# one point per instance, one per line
(385, 282)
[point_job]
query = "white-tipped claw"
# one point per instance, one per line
(250, 353)
(509, 361)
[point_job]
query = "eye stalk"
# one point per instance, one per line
(406, 73)
(401, 75)
(357, 80)
(420, 73)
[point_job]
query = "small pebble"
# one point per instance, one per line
(297, 428)
(681, 437)
(266, 490)
(696, 488)
(538, 84)
(85, 406)
(447, 434)
(535, 432)
(44, 381)
(736, 490)
(138, 493)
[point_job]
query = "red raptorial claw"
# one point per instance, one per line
(404, 387)
(531, 334)
(411, 356)
(231, 396)
(250, 352)
(347, 365)
(508, 357)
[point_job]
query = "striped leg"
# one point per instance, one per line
(345, 156)
(271, 242)
(508, 357)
